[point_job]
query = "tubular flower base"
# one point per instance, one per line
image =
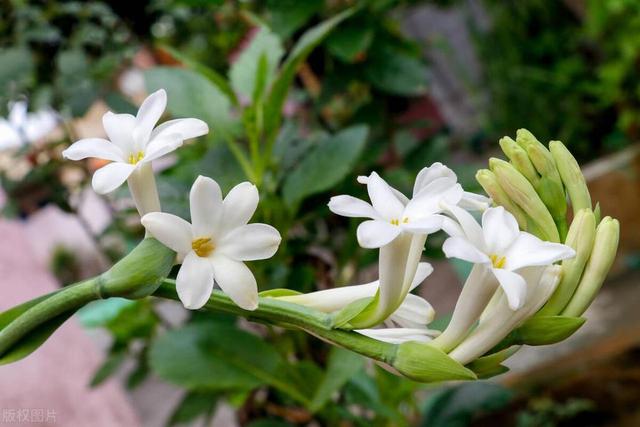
(535, 272)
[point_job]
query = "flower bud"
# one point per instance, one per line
(602, 257)
(571, 176)
(524, 195)
(519, 159)
(424, 363)
(491, 365)
(547, 330)
(581, 237)
(489, 183)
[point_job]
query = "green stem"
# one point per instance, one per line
(67, 299)
(273, 311)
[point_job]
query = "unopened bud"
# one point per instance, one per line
(489, 183)
(519, 159)
(581, 237)
(599, 264)
(521, 191)
(571, 176)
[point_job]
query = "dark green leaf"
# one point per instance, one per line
(246, 74)
(349, 42)
(193, 405)
(342, 366)
(396, 72)
(286, 16)
(309, 40)
(325, 165)
(108, 368)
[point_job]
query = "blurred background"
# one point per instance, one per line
(394, 87)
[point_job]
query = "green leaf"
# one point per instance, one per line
(108, 368)
(309, 40)
(349, 42)
(341, 367)
(100, 313)
(246, 73)
(193, 405)
(193, 95)
(286, 16)
(16, 72)
(325, 165)
(456, 406)
(211, 74)
(395, 71)
(220, 357)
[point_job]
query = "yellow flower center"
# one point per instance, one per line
(497, 260)
(396, 221)
(135, 158)
(202, 247)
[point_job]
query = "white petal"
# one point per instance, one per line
(250, 242)
(239, 205)
(362, 179)
(350, 206)
(414, 312)
(474, 202)
(329, 300)
(376, 233)
(172, 231)
(40, 124)
(429, 174)
(472, 230)
(119, 129)
(161, 145)
(458, 247)
(186, 128)
(148, 115)
(500, 229)
(195, 281)
(383, 199)
(206, 206)
(513, 285)
(427, 225)
(9, 136)
(94, 147)
(528, 250)
(109, 177)
(398, 335)
(237, 281)
(423, 271)
(431, 198)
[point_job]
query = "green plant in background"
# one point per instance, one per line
(566, 69)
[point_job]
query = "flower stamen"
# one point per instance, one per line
(497, 260)
(135, 158)
(202, 246)
(395, 221)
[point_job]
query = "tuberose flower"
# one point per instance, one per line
(503, 249)
(216, 243)
(133, 142)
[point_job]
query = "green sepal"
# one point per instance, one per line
(491, 365)
(278, 292)
(548, 329)
(425, 363)
(340, 319)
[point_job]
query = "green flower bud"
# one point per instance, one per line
(520, 190)
(489, 182)
(599, 264)
(547, 330)
(571, 176)
(581, 237)
(424, 363)
(519, 159)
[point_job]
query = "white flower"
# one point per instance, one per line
(22, 128)
(503, 249)
(391, 213)
(399, 335)
(133, 142)
(414, 312)
(216, 243)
